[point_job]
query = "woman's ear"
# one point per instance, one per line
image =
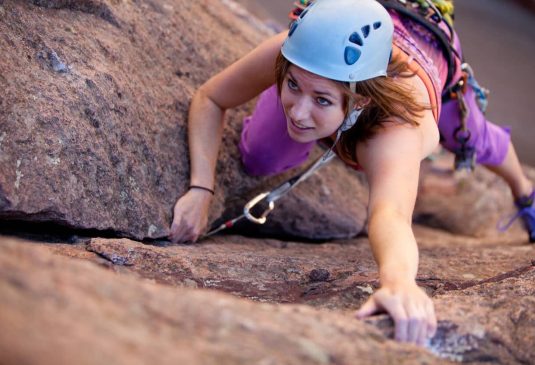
(362, 101)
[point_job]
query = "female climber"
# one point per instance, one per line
(370, 81)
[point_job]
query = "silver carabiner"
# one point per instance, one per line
(262, 219)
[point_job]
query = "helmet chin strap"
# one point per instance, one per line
(353, 115)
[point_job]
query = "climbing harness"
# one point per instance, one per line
(272, 196)
(430, 13)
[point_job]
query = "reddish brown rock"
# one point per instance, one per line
(93, 109)
(487, 322)
(56, 310)
(491, 322)
(284, 272)
(264, 270)
(466, 204)
(483, 294)
(92, 136)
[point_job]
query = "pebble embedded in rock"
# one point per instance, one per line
(319, 275)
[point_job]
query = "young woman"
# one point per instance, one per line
(348, 69)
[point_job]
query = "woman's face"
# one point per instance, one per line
(313, 105)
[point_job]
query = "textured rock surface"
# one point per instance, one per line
(58, 311)
(152, 303)
(490, 322)
(93, 109)
(333, 275)
(92, 136)
(465, 204)
(482, 287)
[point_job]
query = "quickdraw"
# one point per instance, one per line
(482, 94)
(272, 196)
(465, 155)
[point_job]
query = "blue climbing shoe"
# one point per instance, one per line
(526, 211)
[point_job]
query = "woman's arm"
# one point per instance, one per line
(235, 85)
(391, 161)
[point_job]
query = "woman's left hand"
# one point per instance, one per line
(410, 308)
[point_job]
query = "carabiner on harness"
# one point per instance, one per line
(465, 155)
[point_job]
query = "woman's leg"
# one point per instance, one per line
(492, 143)
(265, 146)
(522, 188)
(494, 150)
(511, 171)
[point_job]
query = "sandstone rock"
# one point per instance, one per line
(264, 270)
(93, 109)
(56, 310)
(490, 322)
(466, 204)
(283, 272)
(483, 294)
(92, 136)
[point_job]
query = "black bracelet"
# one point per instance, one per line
(202, 188)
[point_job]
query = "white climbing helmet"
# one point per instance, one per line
(344, 40)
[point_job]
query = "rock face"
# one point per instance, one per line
(92, 136)
(93, 112)
(466, 204)
(58, 311)
(490, 322)
(296, 306)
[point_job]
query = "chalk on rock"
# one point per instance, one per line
(55, 62)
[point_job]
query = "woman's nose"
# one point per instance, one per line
(299, 110)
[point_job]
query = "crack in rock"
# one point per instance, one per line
(94, 7)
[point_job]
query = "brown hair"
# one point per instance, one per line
(389, 99)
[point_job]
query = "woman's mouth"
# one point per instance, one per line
(299, 126)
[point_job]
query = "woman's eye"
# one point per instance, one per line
(323, 102)
(292, 85)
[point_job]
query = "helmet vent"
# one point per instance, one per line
(355, 38)
(351, 55)
(293, 27)
(376, 25)
(366, 31)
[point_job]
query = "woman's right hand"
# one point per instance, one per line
(410, 308)
(190, 216)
